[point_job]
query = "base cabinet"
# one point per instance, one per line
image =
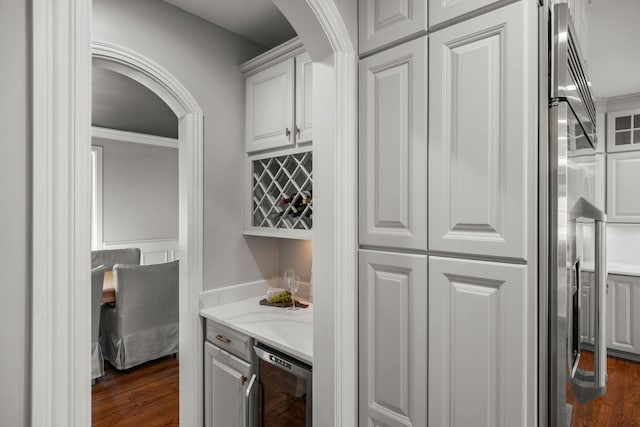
(225, 383)
(623, 313)
(393, 339)
(480, 361)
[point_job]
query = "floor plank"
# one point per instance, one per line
(620, 406)
(146, 395)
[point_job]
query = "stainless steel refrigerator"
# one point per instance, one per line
(574, 372)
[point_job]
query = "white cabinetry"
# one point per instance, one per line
(479, 362)
(623, 130)
(393, 339)
(478, 133)
(226, 381)
(269, 107)
(383, 22)
(441, 11)
(278, 110)
(623, 197)
(393, 147)
(623, 313)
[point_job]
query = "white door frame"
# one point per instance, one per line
(60, 375)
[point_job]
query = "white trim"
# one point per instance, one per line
(114, 243)
(280, 53)
(61, 108)
(134, 137)
(154, 251)
(97, 236)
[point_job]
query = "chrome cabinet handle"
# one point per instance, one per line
(247, 401)
(287, 132)
(298, 131)
(588, 385)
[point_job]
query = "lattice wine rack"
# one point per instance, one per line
(282, 192)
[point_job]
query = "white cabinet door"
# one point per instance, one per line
(623, 197)
(393, 339)
(623, 313)
(481, 345)
(623, 130)
(393, 147)
(383, 22)
(304, 108)
(269, 107)
(441, 11)
(225, 382)
(478, 132)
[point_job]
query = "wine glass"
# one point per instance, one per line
(292, 283)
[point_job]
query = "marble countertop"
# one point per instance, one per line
(288, 331)
(613, 268)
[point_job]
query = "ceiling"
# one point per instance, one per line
(124, 104)
(257, 20)
(613, 47)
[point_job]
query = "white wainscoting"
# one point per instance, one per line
(151, 251)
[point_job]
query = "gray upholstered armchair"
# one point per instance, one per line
(143, 323)
(97, 362)
(109, 257)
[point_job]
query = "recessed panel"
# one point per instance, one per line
(269, 102)
(623, 197)
(384, 22)
(622, 314)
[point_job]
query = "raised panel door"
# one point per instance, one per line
(478, 136)
(393, 339)
(623, 313)
(269, 107)
(225, 383)
(444, 10)
(623, 197)
(383, 22)
(304, 93)
(481, 356)
(393, 147)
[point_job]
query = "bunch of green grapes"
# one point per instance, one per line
(281, 297)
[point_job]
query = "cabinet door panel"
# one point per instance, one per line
(479, 366)
(304, 108)
(224, 387)
(623, 170)
(385, 21)
(269, 107)
(477, 137)
(393, 339)
(623, 313)
(445, 10)
(393, 147)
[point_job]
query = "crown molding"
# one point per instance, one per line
(279, 53)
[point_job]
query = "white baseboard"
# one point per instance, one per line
(151, 251)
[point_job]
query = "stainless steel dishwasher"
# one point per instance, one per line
(284, 391)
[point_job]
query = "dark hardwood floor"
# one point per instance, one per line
(620, 407)
(146, 395)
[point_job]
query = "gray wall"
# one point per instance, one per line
(296, 255)
(139, 191)
(15, 191)
(205, 59)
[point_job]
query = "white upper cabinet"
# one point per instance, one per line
(481, 345)
(269, 107)
(382, 22)
(444, 10)
(393, 339)
(623, 197)
(478, 134)
(623, 133)
(393, 147)
(304, 108)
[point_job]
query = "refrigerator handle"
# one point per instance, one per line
(588, 385)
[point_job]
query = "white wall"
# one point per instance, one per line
(15, 212)
(205, 59)
(139, 190)
(296, 255)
